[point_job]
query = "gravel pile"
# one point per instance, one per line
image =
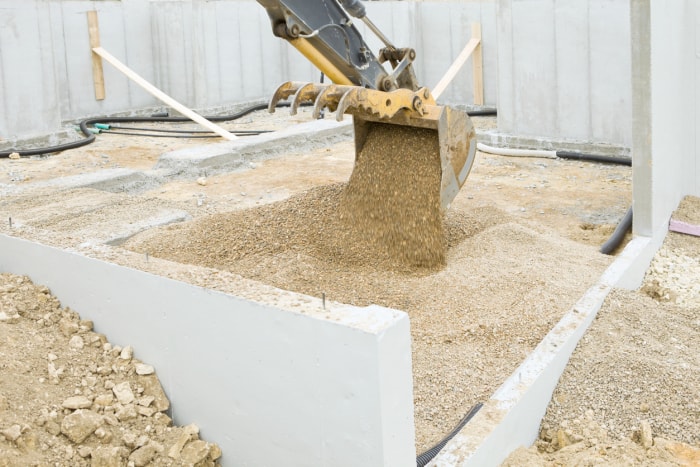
(69, 397)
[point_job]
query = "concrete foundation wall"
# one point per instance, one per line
(564, 70)
(205, 54)
(271, 387)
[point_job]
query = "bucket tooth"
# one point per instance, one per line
(283, 92)
(305, 93)
(329, 98)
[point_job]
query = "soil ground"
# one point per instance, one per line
(525, 236)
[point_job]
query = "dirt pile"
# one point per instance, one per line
(69, 397)
(387, 217)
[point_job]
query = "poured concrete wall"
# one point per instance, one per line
(205, 54)
(666, 71)
(564, 70)
(271, 387)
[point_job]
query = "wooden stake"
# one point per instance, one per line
(160, 95)
(459, 62)
(478, 66)
(97, 73)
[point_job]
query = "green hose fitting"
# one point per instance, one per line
(102, 126)
(95, 131)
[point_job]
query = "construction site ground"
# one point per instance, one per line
(523, 236)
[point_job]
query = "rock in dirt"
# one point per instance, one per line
(80, 424)
(76, 343)
(77, 402)
(127, 353)
(189, 432)
(195, 452)
(123, 393)
(12, 433)
(152, 387)
(10, 319)
(143, 455)
(643, 436)
(109, 456)
(127, 412)
(142, 369)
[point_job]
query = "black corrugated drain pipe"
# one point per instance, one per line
(423, 459)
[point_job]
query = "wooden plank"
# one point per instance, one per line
(455, 67)
(97, 72)
(478, 66)
(684, 227)
(160, 95)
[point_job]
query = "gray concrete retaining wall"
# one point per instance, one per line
(557, 71)
(564, 70)
(270, 386)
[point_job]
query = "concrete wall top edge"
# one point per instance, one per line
(372, 319)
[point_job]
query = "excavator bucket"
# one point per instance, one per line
(452, 129)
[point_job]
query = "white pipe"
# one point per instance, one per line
(516, 152)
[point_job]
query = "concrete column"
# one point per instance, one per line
(665, 110)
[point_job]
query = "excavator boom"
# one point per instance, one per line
(324, 32)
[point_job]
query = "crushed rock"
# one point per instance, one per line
(80, 406)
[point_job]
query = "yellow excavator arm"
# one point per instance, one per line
(323, 31)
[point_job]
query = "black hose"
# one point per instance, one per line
(163, 118)
(619, 234)
(193, 132)
(157, 135)
(166, 134)
(90, 136)
(580, 156)
(423, 459)
(482, 113)
(626, 223)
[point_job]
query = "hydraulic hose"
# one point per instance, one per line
(90, 136)
(423, 459)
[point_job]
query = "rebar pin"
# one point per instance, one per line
(323, 299)
(10, 219)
